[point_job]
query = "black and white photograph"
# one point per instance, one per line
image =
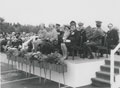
(59, 43)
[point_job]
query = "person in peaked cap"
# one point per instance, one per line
(98, 23)
(96, 39)
(98, 31)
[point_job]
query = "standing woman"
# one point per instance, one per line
(65, 43)
(73, 38)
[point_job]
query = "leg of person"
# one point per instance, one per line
(88, 49)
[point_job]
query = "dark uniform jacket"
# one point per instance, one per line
(97, 36)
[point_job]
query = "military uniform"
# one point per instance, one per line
(95, 39)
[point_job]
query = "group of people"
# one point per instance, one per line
(63, 39)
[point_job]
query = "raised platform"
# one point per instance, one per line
(79, 71)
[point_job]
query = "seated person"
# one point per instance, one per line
(60, 34)
(51, 33)
(30, 46)
(81, 33)
(112, 37)
(46, 47)
(74, 38)
(95, 39)
(17, 41)
(3, 44)
(81, 39)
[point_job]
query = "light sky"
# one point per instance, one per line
(61, 11)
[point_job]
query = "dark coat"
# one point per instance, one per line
(73, 38)
(3, 43)
(81, 37)
(78, 37)
(112, 37)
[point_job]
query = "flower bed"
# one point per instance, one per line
(51, 62)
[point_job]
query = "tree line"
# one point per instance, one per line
(16, 27)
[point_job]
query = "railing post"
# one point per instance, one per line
(112, 69)
(112, 59)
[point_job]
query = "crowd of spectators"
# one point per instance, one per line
(69, 40)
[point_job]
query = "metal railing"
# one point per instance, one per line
(112, 58)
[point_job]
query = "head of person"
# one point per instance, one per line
(13, 33)
(98, 24)
(110, 26)
(72, 25)
(66, 28)
(57, 26)
(50, 27)
(17, 35)
(42, 26)
(23, 33)
(80, 25)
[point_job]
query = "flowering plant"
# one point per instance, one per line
(12, 52)
(54, 58)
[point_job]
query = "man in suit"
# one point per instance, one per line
(81, 34)
(81, 39)
(112, 36)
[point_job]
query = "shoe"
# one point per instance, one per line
(91, 57)
(101, 55)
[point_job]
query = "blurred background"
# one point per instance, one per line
(35, 12)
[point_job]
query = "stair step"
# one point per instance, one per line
(100, 82)
(116, 62)
(106, 68)
(103, 75)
